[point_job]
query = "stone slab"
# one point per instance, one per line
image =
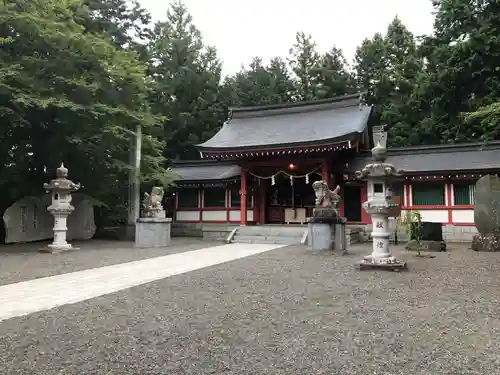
(320, 236)
(339, 237)
(396, 267)
(487, 205)
(153, 232)
(28, 220)
(56, 250)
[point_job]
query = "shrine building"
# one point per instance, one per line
(259, 167)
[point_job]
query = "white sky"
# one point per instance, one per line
(241, 29)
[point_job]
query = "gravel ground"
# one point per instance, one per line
(23, 262)
(287, 311)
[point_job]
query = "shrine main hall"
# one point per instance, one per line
(259, 167)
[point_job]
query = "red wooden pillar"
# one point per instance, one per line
(325, 173)
(262, 201)
(243, 201)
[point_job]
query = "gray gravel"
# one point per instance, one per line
(286, 311)
(23, 262)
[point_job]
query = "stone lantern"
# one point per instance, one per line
(61, 189)
(380, 206)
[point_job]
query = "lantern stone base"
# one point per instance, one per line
(389, 263)
(152, 232)
(486, 242)
(57, 248)
(327, 233)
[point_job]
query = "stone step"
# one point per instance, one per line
(267, 239)
(260, 241)
(266, 231)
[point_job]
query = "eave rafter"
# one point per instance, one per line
(347, 145)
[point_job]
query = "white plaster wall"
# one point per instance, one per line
(462, 216)
(214, 216)
(187, 216)
(235, 215)
(434, 216)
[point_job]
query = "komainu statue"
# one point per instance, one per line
(151, 203)
(330, 198)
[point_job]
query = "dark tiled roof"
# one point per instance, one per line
(307, 123)
(438, 159)
(208, 172)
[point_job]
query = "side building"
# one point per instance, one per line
(258, 170)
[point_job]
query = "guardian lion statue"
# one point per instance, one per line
(330, 198)
(151, 203)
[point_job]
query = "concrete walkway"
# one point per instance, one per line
(46, 293)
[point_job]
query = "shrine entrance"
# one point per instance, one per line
(288, 198)
(352, 202)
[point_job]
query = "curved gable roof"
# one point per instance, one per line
(309, 123)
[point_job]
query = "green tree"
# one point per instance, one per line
(67, 94)
(331, 76)
(370, 63)
(461, 74)
(260, 85)
(387, 68)
(124, 22)
(400, 110)
(303, 61)
(187, 76)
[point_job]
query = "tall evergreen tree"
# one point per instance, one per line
(260, 85)
(331, 76)
(303, 60)
(461, 74)
(400, 110)
(186, 75)
(386, 69)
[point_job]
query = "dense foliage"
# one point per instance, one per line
(78, 76)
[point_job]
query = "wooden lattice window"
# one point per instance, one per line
(428, 194)
(464, 194)
(236, 198)
(188, 198)
(214, 197)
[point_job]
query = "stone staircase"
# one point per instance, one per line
(269, 234)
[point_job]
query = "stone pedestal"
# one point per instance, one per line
(486, 242)
(381, 256)
(380, 236)
(60, 229)
(326, 233)
(339, 235)
(152, 232)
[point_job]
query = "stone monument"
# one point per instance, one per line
(487, 214)
(380, 206)
(326, 229)
(61, 189)
(153, 228)
(27, 220)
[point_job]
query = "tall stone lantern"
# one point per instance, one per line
(61, 189)
(380, 175)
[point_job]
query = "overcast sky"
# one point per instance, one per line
(241, 29)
